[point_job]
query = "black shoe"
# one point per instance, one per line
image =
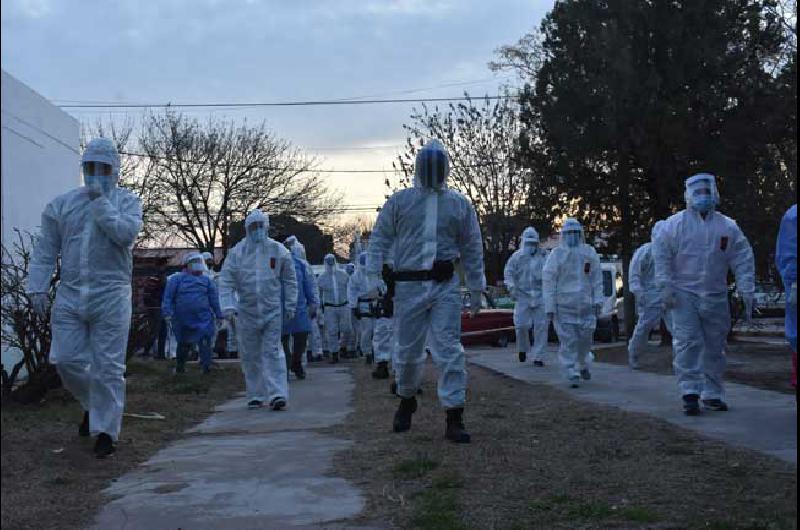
(309, 357)
(370, 358)
(691, 404)
(334, 357)
(83, 429)
(299, 372)
(393, 388)
(455, 431)
(104, 446)
(402, 418)
(522, 356)
(255, 404)
(538, 364)
(381, 371)
(586, 374)
(277, 403)
(717, 405)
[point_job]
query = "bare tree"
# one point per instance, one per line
(195, 179)
(483, 139)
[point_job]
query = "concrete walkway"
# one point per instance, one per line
(243, 469)
(759, 419)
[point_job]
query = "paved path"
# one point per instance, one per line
(759, 419)
(244, 469)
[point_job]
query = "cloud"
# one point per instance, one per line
(32, 9)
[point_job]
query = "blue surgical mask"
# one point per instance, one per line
(196, 267)
(573, 239)
(257, 235)
(329, 262)
(532, 248)
(106, 184)
(703, 203)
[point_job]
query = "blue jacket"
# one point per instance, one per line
(306, 296)
(192, 302)
(786, 261)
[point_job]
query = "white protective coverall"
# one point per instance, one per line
(92, 313)
(523, 279)
(426, 223)
(693, 254)
(255, 271)
(649, 305)
(333, 290)
(573, 293)
(359, 299)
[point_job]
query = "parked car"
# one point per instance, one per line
(493, 325)
(612, 313)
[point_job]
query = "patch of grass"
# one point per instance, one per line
(137, 367)
(448, 481)
(415, 467)
(638, 514)
(188, 383)
(437, 509)
(592, 511)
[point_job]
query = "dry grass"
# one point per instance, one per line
(758, 364)
(540, 459)
(50, 478)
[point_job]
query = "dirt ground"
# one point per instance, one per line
(540, 459)
(50, 478)
(754, 362)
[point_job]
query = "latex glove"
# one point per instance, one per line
(749, 303)
(792, 300)
(40, 303)
(475, 303)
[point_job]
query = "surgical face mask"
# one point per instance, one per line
(257, 234)
(330, 262)
(196, 267)
(531, 247)
(572, 239)
(703, 203)
(105, 184)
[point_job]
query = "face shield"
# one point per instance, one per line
(256, 224)
(572, 234)
(701, 193)
(432, 166)
(530, 240)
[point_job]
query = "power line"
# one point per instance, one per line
(312, 103)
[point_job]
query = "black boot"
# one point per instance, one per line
(381, 371)
(334, 357)
(691, 404)
(103, 446)
(522, 356)
(455, 426)
(402, 418)
(717, 405)
(83, 429)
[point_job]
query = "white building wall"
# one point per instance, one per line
(40, 159)
(40, 156)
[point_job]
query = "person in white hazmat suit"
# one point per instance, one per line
(523, 278)
(314, 352)
(336, 313)
(430, 228)
(573, 297)
(693, 254)
(649, 307)
(92, 230)
(362, 306)
(353, 342)
(256, 269)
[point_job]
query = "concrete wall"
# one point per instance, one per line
(40, 155)
(40, 159)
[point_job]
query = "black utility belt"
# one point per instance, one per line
(335, 305)
(442, 271)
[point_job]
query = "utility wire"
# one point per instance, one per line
(311, 103)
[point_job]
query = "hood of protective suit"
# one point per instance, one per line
(657, 229)
(260, 235)
(298, 250)
(568, 240)
(702, 203)
(432, 166)
(330, 262)
(104, 151)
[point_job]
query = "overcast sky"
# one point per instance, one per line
(200, 51)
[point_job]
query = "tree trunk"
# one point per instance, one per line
(624, 178)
